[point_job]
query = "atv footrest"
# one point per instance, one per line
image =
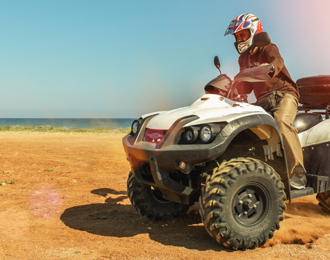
(302, 193)
(318, 183)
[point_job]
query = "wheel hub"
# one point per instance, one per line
(250, 204)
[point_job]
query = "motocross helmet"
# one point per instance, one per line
(243, 22)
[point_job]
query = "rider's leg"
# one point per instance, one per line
(284, 115)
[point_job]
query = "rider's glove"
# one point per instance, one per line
(271, 72)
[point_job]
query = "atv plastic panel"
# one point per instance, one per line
(318, 134)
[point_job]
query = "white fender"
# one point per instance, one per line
(316, 135)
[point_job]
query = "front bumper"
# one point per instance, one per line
(166, 157)
(163, 161)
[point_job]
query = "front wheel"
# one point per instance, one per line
(149, 202)
(242, 203)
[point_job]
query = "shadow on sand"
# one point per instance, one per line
(117, 220)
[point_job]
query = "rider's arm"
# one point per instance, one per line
(243, 87)
(274, 57)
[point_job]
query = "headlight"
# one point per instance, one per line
(190, 135)
(205, 134)
(135, 127)
(202, 134)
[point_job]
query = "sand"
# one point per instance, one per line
(69, 201)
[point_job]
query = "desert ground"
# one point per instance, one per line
(63, 196)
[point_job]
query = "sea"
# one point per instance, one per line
(73, 123)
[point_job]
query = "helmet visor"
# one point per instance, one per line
(230, 28)
(229, 31)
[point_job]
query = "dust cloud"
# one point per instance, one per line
(304, 222)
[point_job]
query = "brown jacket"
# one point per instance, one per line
(281, 79)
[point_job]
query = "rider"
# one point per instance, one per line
(280, 88)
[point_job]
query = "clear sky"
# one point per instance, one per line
(122, 59)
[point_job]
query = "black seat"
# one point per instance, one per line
(305, 121)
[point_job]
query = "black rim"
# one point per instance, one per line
(250, 204)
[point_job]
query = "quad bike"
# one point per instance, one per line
(229, 155)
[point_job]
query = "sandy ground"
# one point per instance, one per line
(69, 201)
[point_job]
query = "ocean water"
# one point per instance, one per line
(73, 123)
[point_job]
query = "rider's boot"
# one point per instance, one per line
(298, 179)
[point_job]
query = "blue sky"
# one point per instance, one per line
(121, 59)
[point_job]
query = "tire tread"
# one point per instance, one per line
(215, 191)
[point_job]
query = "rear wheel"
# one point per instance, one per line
(242, 203)
(324, 200)
(149, 202)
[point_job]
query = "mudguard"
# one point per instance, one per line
(315, 143)
(315, 135)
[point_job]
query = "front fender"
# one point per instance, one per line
(265, 128)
